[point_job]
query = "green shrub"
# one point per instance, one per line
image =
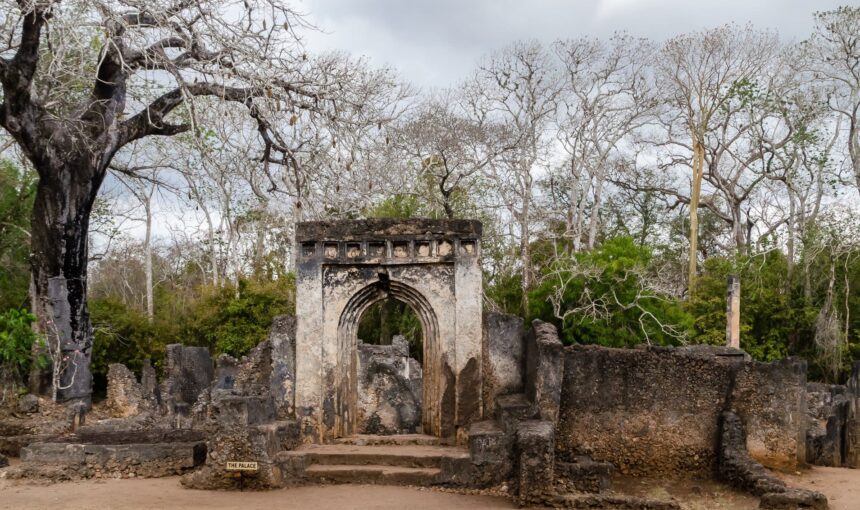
(606, 299)
(16, 343)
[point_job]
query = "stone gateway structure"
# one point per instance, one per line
(345, 267)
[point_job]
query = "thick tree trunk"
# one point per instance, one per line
(60, 223)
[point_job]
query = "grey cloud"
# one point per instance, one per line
(436, 43)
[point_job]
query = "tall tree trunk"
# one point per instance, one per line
(792, 232)
(60, 222)
(525, 257)
(698, 171)
(595, 208)
(147, 248)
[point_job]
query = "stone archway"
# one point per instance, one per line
(343, 268)
(347, 385)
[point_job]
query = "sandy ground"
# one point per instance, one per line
(842, 487)
(161, 493)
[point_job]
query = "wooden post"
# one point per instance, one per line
(733, 312)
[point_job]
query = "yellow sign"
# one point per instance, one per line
(242, 466)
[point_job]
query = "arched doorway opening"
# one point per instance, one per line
(347, 376)
(390, 318)
(390, 378)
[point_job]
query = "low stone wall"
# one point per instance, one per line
(735, 467)
(68, 460)
(655, 411)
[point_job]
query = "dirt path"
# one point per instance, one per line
(840, 485)
(163, 493)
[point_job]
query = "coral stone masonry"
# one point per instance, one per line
(345, 267)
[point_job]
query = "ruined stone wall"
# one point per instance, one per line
(504, 357)
(390, 387)
(655, 411)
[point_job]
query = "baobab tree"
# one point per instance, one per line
(82, 80)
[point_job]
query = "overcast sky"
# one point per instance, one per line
(436, 43)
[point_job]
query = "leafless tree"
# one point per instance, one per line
(158, 65)
(609, 93)
(698, 72)
(833, 54)
(519, 88)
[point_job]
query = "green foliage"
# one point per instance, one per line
(17, 192)
(768, 320)
(124, 335)
(401, 206)
(505, 290)
(16, 342)
(602, 298)
(228, 319)
(233, 320)
(384, 319)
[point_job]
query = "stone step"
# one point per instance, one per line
(394, 439)
(386, 475)
(412, 456)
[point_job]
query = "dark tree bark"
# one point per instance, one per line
(60, 224)
(71, 156)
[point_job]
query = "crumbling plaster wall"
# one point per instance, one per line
(655, 411)
(435, 263)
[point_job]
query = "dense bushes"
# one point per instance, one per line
(612, 296)
(16, 343)
(608, 296)
(229, 319)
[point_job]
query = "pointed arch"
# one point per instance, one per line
(346, 374)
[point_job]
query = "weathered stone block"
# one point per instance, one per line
(230, 410)
(390, 389)
(827, 410)
(510, 410)
(535, 459)
(28, 404)
(188, 371)
(149, 384)
(504, 357)
(226, 369)
(585, 475)
(491, 452)
(241, 430)
(69, 461)
(544, 370)
(124, 393)
(852, 425)
(282, 337)
(794, 499)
